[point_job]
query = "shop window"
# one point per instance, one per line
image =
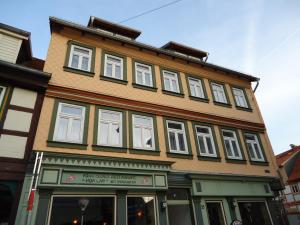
(143, 132)
(82, 210)
(80, 58)
(205, 141)
(170, 80)
(113, 67)
(110, 128)
(254, 147)
(177, 137)
(215, 213)
(143, 74)
(69, 125)
(254, 213)
(231, 144)
(141, 210)
(218, 92)
(7, 201)
(179, 207)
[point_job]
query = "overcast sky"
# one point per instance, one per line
(260, 37)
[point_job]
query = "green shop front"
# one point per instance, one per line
(89, 190)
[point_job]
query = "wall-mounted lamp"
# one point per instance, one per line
(163, 206)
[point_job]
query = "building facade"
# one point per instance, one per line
(132, 134)
(22, 89)
(289, 166)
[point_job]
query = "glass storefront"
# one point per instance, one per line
(179, 208)
(254, 213)
(215, 213)
(141, 210)
(87, 210)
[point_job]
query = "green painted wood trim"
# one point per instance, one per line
(206, 158)
(43, 174)
(163, 217)
(171, 154)
(198, 210)
(249, 109)
(121, 208)
(134, 73)
(102, 77)
(180, 94)
(144, 87)
(124, 131)
(228, 104)
(243, 160)
(156, 150)
(77, 71)
(53, 143)
(60, 144)
(66, 64)
(263, 163)
(43, 207)
(205, 99)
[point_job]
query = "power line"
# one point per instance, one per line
(150, 11)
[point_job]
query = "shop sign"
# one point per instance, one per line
(111, 179)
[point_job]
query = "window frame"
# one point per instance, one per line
(178, 83)
(223, 85)
(148, 151)
(240, 159)
(51, 142)
(202, 84)
(216, 156)
(136, 69)
(248, 108)
(177, 154)
(68, 59)
(256, 162)
(123, 58)
(295, 188)
(123, 147)
(153, 76)
(73, 46)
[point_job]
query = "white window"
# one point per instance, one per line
(113, 67)
(219, 93)
(69, 123)
(2, 93)
(231, 144)
(196, 88)
(143, 74)
(143, 132)
(205, 141)
(177, 137)
(239, 97)
(295, 188)
(171, 81)
(254, 147)
(110, 128)
(80, 58)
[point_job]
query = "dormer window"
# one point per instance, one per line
(80, 58)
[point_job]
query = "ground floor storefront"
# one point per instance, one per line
(114, 191)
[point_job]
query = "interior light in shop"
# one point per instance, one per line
(139, 213)
(75, 221)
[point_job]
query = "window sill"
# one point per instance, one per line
(206, 100)
(258, 163)
(238, 161)
(223, 104)
(102, 77)
(173, 93)
(178, 155)
(144, 151)
(60, 144)
(82, 72)
(140, 86)
(243, 108)
(106, 148)
(209, 158)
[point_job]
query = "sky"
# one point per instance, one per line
(259, 37)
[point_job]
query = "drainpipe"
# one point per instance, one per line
(256, 86)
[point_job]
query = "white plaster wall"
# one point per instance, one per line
(23, 97)
(12, 146)
(17, 121)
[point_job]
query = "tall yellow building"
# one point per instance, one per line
(132, 134)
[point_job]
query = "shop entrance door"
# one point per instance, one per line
(215, 213)
(254, 213)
